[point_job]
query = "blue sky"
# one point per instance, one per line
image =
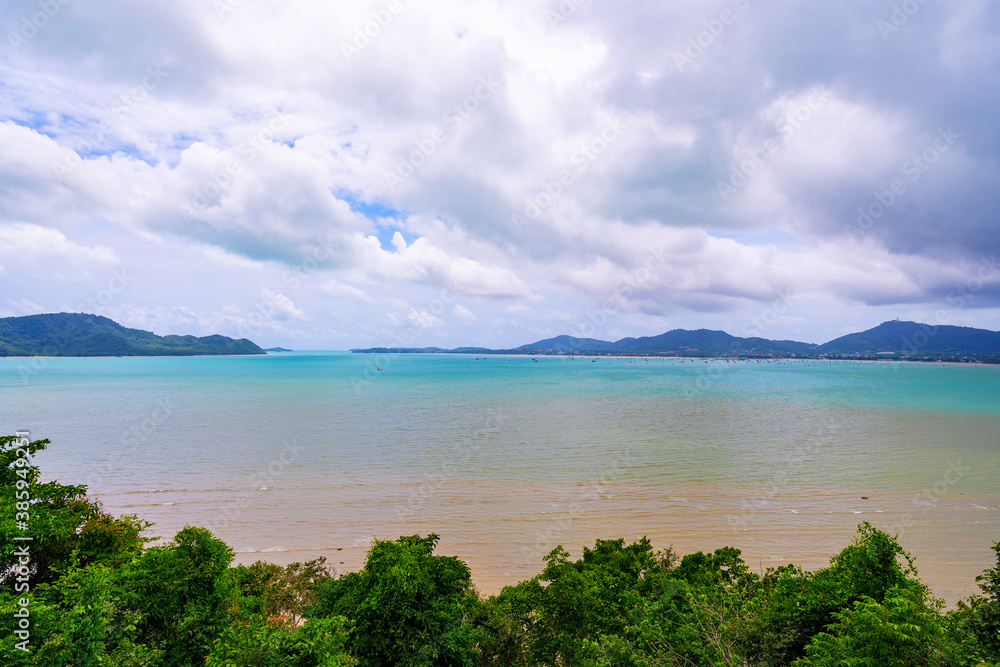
(334, 175)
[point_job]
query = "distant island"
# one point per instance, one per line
(911, 341)
(277, 349)
(85, 335)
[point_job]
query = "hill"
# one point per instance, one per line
(679, 341)
(895, 338)
(568, 344)
(915, 339)
(84, 335)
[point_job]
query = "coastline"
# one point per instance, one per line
(772, 527)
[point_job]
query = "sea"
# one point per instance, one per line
(293, 456)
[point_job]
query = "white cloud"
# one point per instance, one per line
(280, 305)
(464, 314)
(25, 307)
(41, 251)
(421, 319)
(260, 151)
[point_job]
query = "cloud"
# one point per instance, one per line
(255, 147)
(281, 306)
(464, 314)
(41, 251)
(421, 319)
(24, 307)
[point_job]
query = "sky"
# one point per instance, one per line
(329, 175)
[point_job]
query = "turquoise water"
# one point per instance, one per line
(295, 455)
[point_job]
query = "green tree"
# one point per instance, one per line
(67, 528)
(87, 623)
(255, 643)
(409, 606)
(872, 564)
(695, 613)
(903, 630)
(573, 611)
(793, 605)
(975, 624)
(280, 594)
(183, 594)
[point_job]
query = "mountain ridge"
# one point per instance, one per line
(891, 339)
(87, 335)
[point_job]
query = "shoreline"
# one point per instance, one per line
(950, 535)
(668, 357)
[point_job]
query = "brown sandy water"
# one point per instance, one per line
(285, 460)
(502, 530)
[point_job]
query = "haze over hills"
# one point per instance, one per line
(85, 335)
(889, 339)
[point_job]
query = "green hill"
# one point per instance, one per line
(914, 338)
(84, 335)
(904, 339)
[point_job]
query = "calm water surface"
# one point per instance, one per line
(296, 455)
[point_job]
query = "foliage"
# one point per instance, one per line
(66, 527)
(900, 631)
(183, 595)
(100, 596)
(408, 606)
(280, 594)
(318, 643)
(975, 625)
(85, 335)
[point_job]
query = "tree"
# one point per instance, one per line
(902, 630)
(975, 624)
(280, 594)
(574, 611)
(871, 565)
(67, 528)
(184, 595)
(794, 605)
(255, 643)
(409, 606)
(696, 612)
(84, 623)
